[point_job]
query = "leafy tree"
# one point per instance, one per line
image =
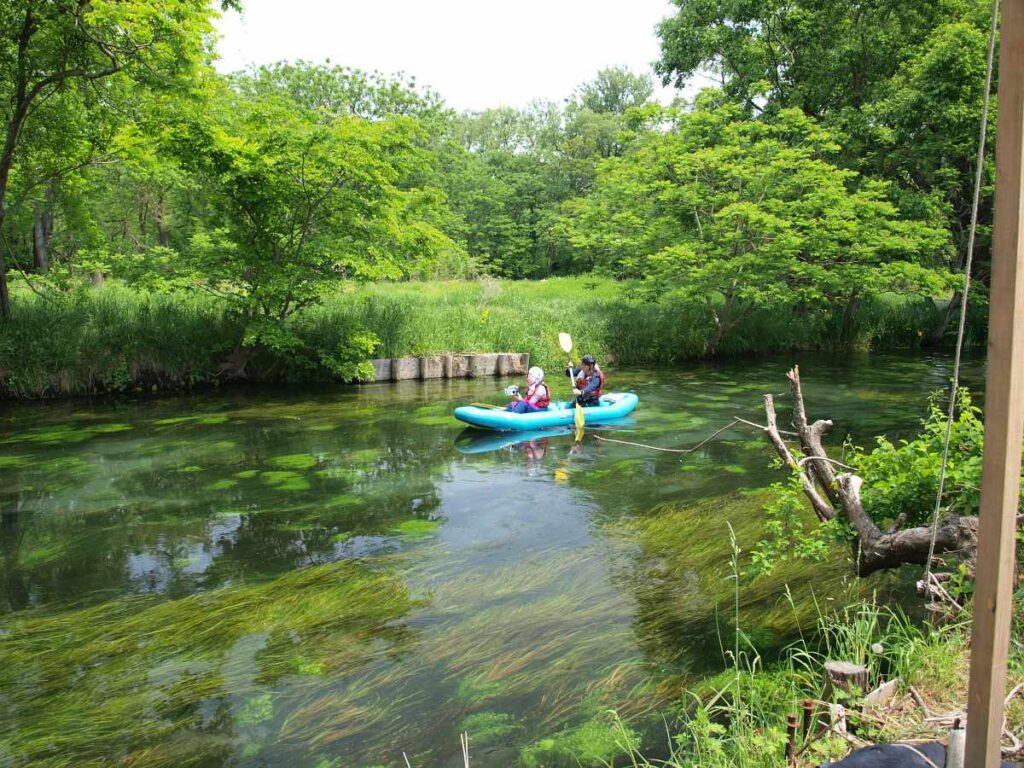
(922, 132)
(50, 46)
(502, 179)
(614, 90)
(744, 214)
(899, 84)
(298, 204)
(817, 57)
(340, 91)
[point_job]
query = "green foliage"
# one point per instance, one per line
(903, 86)
(819, 58)
(67, 71)
(791, 531)
(737, 719)
(746, 214)
(85, 340)
(614, 90)
(300, 204)
(903, 477)
(596, 742)
(900, 478)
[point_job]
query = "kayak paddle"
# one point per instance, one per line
(565, 341)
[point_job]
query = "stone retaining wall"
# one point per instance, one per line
(455, 366)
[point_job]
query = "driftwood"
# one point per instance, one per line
(833, 494)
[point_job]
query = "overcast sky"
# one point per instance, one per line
(475, 53)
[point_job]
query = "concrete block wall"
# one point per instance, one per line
(452, 366)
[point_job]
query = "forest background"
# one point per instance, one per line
(162, 225)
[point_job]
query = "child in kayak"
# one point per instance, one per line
(588, 381)
(537, 395)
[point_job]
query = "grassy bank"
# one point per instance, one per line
(738, 719)
(116, 339)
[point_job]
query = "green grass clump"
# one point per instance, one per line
(489, 727)
(417, 528)
(119, 339)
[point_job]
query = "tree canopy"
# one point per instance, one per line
(833, 164)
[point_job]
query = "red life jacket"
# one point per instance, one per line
(584, 380)
(544, 400)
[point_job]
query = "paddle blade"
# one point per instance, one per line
(579, 418)
(565, 342)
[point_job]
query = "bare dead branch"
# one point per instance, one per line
(821, 507)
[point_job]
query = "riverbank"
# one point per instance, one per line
(738, 719)
(116, 339)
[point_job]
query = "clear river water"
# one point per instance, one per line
(335, 577)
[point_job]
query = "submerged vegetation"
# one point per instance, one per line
(318, 577)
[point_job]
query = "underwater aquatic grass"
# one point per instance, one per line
(101, 682)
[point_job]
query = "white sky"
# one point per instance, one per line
(475, 53)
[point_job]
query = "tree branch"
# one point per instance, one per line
(821, 507)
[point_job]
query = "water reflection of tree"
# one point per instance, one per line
(155, 528)
(12, 534)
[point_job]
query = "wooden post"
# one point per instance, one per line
(1004, 412)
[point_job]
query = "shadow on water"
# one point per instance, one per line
(331, 578)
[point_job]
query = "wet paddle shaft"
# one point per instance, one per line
(565, 341)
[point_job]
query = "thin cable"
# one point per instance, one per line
(966, 290)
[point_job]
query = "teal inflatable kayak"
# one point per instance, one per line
(614, 405)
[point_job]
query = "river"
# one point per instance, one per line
(334, 577)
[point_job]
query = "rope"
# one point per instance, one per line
(732, 423)
(966, 290)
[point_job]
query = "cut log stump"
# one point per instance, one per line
(844, 676)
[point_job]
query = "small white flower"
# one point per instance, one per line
(877, 648)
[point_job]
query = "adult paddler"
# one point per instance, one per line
(588, 381)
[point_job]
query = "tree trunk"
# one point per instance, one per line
(42, 225)
(5, 297)
(721, 325)
(848, 315)
(97, 278)
(938, 333)
(844, 676)
(162, 237)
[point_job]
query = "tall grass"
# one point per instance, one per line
(110, 340)
(116, 338)
(738, 718)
